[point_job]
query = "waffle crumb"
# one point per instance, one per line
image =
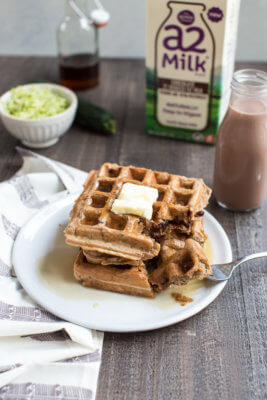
(182, 299)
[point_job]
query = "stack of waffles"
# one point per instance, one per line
(131, 254)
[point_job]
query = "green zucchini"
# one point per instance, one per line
(95, 118)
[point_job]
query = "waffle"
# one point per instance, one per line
(171, 237)
(172, 244)
(131, 280)
(179, 263)
(93, 226)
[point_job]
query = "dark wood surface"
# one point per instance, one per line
(217, 354)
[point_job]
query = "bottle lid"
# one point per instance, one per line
(100, 17)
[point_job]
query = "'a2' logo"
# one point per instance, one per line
(176, 42)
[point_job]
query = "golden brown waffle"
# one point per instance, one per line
(172, 236)
(174, 240)
(94, 227)
(180, 263)
(131, 280)
(197, 232)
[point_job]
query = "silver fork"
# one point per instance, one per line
(222, 272)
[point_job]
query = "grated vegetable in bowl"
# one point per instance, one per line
(34, 102)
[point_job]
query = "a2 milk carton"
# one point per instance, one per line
(189, 65)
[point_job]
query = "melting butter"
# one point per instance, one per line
(135, 199)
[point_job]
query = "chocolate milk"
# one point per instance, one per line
(240, 176)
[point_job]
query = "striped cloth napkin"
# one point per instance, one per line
(41, 356)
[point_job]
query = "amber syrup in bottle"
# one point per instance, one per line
(79, 72)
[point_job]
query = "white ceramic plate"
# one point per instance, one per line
(43, 264)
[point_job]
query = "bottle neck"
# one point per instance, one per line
(70, 7)
(249, 84)
(173, 5)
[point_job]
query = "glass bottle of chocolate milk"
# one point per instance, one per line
(240, 175)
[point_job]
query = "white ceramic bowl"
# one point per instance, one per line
(45, 132)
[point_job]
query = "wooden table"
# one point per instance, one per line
(217, 354)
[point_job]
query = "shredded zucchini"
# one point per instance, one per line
(34, 103)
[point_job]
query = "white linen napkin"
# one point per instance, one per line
(41, 356)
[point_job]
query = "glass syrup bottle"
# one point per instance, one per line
(78, 47)
(184, 60)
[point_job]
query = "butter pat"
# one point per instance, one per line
(135, 207)
(130, 191)
(136, 200)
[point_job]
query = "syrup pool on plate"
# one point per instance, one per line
(56, 270)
